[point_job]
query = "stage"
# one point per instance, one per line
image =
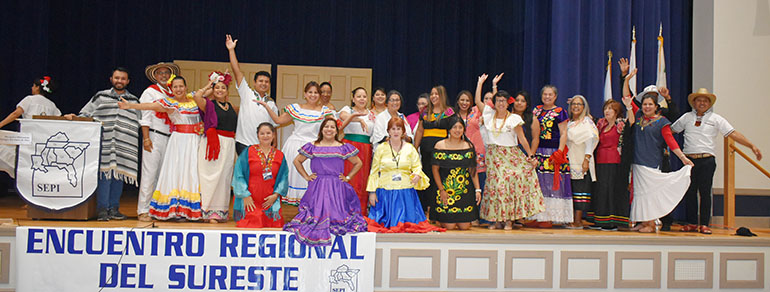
(522, 259)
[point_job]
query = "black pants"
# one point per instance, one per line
(701, 180)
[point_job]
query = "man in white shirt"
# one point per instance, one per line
(701, 127)
(250, 114)
(155, 133)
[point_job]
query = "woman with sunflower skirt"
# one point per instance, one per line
(454, 168)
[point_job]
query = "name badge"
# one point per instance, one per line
(267, 175)
(397, 177)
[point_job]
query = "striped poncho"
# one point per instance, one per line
(120, 136)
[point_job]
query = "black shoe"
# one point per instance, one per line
(665, 227)
(104, 215)
(115, 214)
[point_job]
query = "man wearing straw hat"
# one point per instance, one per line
(701, 126)
(155, 133)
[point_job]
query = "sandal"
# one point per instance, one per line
(689, 228)
(705, 229)
(508, 226)
(647, 229)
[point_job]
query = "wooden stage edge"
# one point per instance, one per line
(13, 214)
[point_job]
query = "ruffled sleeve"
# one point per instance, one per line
(374, 178)
(348, 151)
(416, 167)
(307, 150)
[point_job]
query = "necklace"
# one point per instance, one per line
(498, 130)
(396, 155)
(224, 106)
(644, 122)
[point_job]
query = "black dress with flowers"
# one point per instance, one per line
(456, 168)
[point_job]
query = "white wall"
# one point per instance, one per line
(731, 58)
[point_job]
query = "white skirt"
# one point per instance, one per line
(177, 194)
(8, 159)
(297, 184)
(656, 193)
(215, 177)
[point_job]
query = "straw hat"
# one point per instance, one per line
(150, 70)
(701, 92)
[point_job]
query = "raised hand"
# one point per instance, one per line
(497, 78)
(627, 100)
(665, 93)
(632, 73)
(623, 64)
(483, 78)
(230, 43)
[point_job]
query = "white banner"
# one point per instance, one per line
(121, 259)
(59, 168)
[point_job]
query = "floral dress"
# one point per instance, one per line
(456, 169)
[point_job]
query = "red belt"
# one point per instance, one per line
(189, 129)
(228, 134)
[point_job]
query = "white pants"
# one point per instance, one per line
(151, 162)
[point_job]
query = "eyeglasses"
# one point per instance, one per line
(577, 104)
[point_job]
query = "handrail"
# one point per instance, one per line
(729, 176)
(750, 160)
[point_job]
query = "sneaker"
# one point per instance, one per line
(104, 215)
(115, 214)
(144, 217)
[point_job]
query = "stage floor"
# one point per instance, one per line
(14, 207)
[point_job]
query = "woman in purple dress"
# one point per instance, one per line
(330, 204)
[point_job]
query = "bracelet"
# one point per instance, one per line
(147, 139)
(494, 86)
(347, 177)
(478, 190)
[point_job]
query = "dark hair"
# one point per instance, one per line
(311, 84)
(395, 92)
(371, 98)
(463, 138)
(321, 130)
(261, 73)
(654, 98)
(272, 129)
(121, 69)
(179, 78)
(424, 95)
(457, 101)
(326, 83)
(527, 114)
(353, 93)
(51, 86)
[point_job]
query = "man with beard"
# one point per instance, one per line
(155, 133)
(120, 139)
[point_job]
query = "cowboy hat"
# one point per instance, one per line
(701, 92)
(150, 70)
(649, 89)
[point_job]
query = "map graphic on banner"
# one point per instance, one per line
(58, 153)
(136, 259)
(59, 168)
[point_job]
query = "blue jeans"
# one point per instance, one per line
(108, 193)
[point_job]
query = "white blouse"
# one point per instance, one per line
(501, 131)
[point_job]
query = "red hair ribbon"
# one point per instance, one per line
(511, 99)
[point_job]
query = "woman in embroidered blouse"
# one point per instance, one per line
(432, 127)
(260, 178)
(396, 173)
(380, 131)
(512, 191)
(454, 167)
(655, 193)
(582, 137)
(307, 119)
(552, 169)
(216, 152)
(358, 125)
(330, 205)
(177, 194)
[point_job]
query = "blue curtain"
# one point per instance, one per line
(411, 45)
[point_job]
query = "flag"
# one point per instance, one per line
(632, 62)
(608, 78)
(660, 81)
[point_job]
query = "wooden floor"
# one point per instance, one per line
(13, 207)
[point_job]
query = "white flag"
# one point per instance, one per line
(59, 168)
(632, 63)
(608, 81)
(660, 81)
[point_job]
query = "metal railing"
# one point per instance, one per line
(729, 176)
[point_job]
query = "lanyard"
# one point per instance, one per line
(396, 157)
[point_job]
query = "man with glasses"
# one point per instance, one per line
(155, 133)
